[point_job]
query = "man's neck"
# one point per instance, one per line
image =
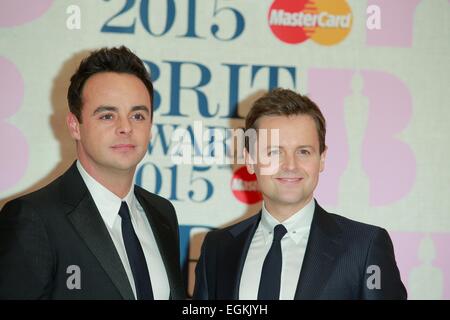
(283, 211)
(117, 181)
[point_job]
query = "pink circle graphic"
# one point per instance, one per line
(14, 159)
(17, 12)
(11, 88)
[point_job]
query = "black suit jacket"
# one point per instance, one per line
(338, 255)
(45, 232)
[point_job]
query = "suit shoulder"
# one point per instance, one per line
(347, 222)
(355, 230)
(234, 229)
(40, 198)
(31, 210)
(155, 199)
(241, 225)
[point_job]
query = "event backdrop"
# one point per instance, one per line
(379, 69)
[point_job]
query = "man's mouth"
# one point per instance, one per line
(289, 180)
(123, 147)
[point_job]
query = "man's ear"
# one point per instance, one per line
(249, 162)
(322, 159)
(74, 126)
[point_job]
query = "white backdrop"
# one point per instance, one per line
(381, 80)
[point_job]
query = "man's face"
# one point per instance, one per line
(115, 128)
(290, 183)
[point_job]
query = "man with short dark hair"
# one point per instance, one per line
(92, 234)
(294, 249)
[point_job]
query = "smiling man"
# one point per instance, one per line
(294, 249)
(91, 233)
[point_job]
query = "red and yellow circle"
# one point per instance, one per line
(325, 22)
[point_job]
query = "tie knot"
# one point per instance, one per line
(278, 232)
(124, 212)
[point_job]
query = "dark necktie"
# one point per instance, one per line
(269, 285)
(136, 256)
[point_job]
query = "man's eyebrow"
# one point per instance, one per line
(104, 109)
(115, 109)
(140, 108)
(303, 146)
(300, 146)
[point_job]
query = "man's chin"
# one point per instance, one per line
(125, 166)
(293, 200)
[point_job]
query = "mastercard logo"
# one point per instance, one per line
(326, 22)
(245, 187)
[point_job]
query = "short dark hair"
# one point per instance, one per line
(285, 102)
(120, 60)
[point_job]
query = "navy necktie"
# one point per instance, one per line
(136, 256)
(269, 285)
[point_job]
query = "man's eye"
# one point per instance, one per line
(273, 152)
(305, 152)
(107, 116)
(138, 116)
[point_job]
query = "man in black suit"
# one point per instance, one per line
(92, 234)
(294, 249)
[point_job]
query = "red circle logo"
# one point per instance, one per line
(289, 33)
(245, 187)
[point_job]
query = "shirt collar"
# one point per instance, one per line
(297, 225)
(108, 204)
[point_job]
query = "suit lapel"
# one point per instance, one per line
(87, 221)
(324, 245)
(233, 260)
(166, 242)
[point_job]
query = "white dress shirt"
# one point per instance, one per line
(108, 204)
(293, 247)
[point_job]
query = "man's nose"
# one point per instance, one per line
(124, 126)
(289, 162)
